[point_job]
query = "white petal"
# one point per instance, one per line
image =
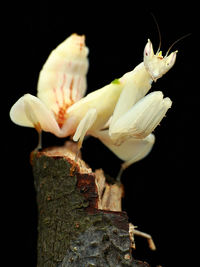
(131, 150)
(142, 118)
(62, 80)
(30, 111)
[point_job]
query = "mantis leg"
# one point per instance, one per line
(39, 146)
(31, 111)
(84, 125)
(133, 232)
(136, 84)
(130, 151)
(141, 148)
(139, 121)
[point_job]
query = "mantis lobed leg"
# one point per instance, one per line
(83, 127)
(139, 121)
(130, 151)
(141, 148)
(31, 111)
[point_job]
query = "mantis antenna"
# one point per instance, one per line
(159, 33)
(181, 38)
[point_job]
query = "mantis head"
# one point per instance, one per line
(156, 64)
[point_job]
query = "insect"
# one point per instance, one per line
(119, 114)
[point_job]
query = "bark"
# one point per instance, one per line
(80, 222)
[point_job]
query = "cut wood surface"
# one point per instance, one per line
(80, 222)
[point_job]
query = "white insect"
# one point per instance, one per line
(119, 114)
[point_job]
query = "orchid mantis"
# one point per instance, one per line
(119, 114)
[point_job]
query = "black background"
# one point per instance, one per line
(161, 191)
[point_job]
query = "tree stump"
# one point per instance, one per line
(80, 222)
